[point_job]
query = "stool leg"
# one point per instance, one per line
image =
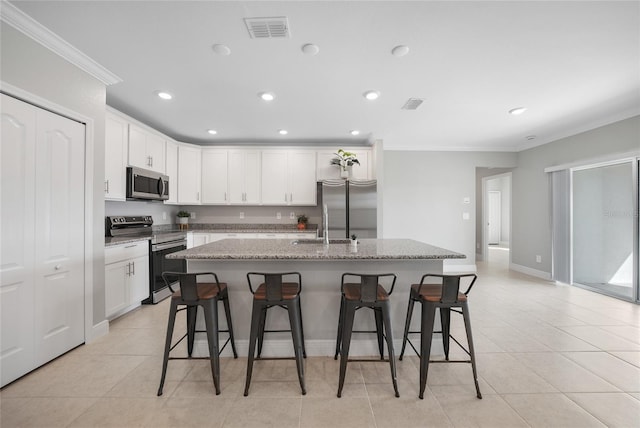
(304, 350)
(428, 316)
(445, 321)
(406, 326)
(385, 309)
(379, 332)
(295, 320)
(340, 326)
(263, 322)
(227, 312)
(347, 328)
(191, 327)
(467, 326)
(211, 320)
(253, 335)
(167, 343)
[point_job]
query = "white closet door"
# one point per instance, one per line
(59, 250)
(17, 244)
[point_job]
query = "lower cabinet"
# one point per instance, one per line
(126, 277)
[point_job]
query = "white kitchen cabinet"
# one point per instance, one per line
(244, 177)
(214, 176)
(288, 177)
(115, 157)
(126, 277)
(146, 150)
(171, 168)
(326, 171)
(189, 175)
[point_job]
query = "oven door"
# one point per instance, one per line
(159, 264)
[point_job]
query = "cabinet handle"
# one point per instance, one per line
(197, 196)
(133, 268)
(285, 197)
(225, 196)
(151, 157)
(106, 186)
(128, 269)
(58, 267)
(290, 197)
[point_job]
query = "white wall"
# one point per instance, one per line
(424, 193)
(31, 67)
(531, 220)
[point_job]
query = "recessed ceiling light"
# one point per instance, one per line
(267, 96)
(310, 49)
(354, 132)
(221, 49)
(212, 131)
(283, 132)
(400, 50)
(371, 95)
(164, 95)
(518, 110)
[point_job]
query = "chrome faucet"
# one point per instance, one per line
(325, 225)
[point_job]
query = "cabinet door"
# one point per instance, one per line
(362, 171)
(116, 296)
(214, 176)
(115, 157)
(236, 177)
(252, 187)
(189, 176)
(139, 280)
(156, 152)
(275, 178)
(326, 171)
(138, 148)
(171, 167)
(302, 178)
(200, 239)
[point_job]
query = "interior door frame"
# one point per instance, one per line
(485, 213)
(90, 331)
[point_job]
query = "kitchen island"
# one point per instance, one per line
(321, 266)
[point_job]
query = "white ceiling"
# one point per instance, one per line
(574, 65)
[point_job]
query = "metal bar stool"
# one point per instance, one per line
(191, 295)
(367, 293)
(274, 292)
(445, 296)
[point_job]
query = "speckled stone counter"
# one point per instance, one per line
(250, 228)
(284, 249)
(321, 268)
(112, 241)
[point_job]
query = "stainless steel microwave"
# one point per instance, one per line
(145, 184)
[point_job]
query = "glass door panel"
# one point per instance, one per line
(603, 229)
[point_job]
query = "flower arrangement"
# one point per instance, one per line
(345, 159)
(302, 221)
(183, 214)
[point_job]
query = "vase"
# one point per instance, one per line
(344, 172)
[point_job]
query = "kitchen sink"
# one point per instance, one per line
(320, 241)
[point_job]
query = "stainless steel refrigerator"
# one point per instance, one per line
(351, 207)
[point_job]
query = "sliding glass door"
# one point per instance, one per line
(604, 219)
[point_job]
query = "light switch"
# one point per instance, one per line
(193, 215)
(466, 216)
(466, 200)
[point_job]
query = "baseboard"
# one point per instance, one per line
(459, 268)
(98, 330)
(529, 271)
(314, 348)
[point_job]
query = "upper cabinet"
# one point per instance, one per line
(171, 168)
(146, 150)
(244, 177)
(215, 184)
(327, 171)
(189, 175)
(115, 157)
(288, 177)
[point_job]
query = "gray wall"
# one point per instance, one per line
(424, 193)
(33, 68)
(531, 227)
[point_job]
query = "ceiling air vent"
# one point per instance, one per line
(412, 103)
(276, 27)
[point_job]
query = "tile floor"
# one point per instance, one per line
(548, 356)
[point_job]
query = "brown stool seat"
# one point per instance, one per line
(432, 292)
(289, 291)
(206, 290)
(352, 292)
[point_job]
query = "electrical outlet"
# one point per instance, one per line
(292, 215)
(538, 259)
(193, 215)
(278, 216)
(164, 215)
(466, 200)
(241, 214)
(466, 216)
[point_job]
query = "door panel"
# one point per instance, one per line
(17, 243)
(495, 220)
(59, 255)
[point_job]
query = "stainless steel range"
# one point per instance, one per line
(161, 244)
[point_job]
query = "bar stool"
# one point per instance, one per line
(367, 293)
(274, 292)
(445, 296)
(191, 295)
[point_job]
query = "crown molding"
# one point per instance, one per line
(33, 29)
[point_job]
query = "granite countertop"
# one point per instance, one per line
(112, 241)
(287, 249)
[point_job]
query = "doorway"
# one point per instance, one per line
(495, 228)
